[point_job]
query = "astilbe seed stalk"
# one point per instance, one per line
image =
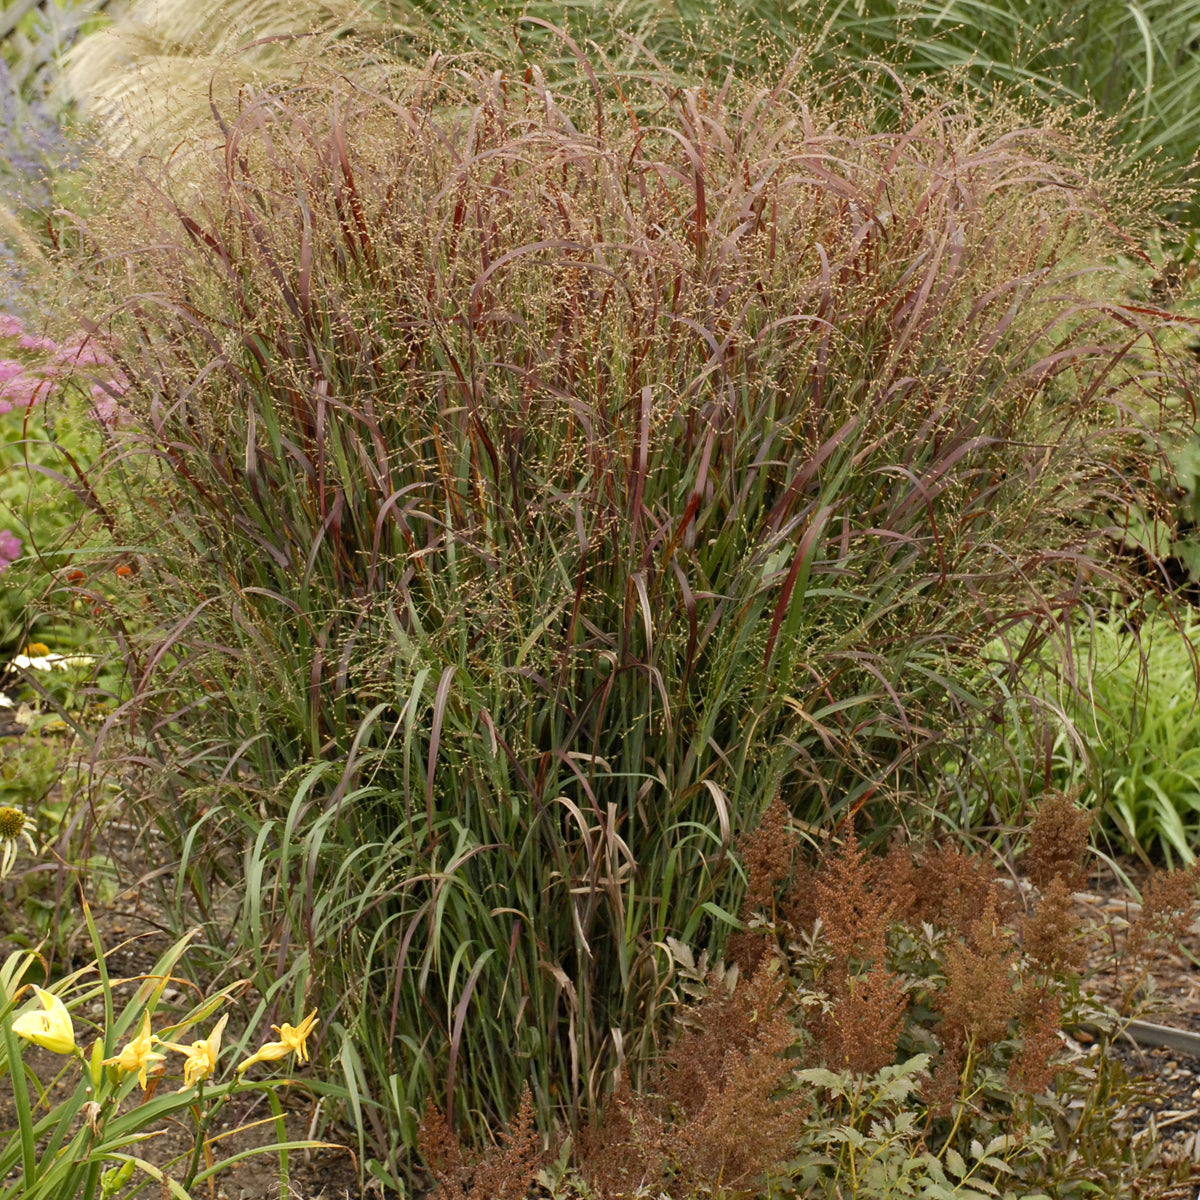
(1051, 935)
(854, 917)
(980, 976)
(1058, 843)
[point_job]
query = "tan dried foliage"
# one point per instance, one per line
(1058, 843)
(721, 1108)
(504, 1172)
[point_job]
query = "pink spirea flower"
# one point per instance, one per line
(10, 368)
(10, 326)
(104, 403)
(23, 390)
(83, 354)
(10, 548)
(28, 341)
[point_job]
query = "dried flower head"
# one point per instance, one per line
(505, 1172)
(896, 876)
(1058, 843)
(726, 1078)
(767, 858)
(862, 1028)
(1039, 1022)
(1050, 937)
(980, 975)
(1168, 910)
(854, 917)
(956, 887)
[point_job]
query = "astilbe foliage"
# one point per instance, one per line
(559, 477)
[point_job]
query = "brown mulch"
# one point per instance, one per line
(1169, 996)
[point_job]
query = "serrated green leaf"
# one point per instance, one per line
(955, 1163)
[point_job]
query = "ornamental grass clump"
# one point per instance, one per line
(519, 489)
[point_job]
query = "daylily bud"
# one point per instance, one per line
(97, 1064)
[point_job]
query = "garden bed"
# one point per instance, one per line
(133, 922)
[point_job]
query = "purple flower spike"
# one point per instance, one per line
(10, 548)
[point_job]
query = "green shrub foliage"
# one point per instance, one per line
(520, 488)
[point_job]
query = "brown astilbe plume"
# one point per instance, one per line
(505, 1172)
(956, 887)
(1058, 843)
(854, 916)
(798, 905)
(624, 1151)
(1168, 910)
(1050, 936)
(440, 1151)
(946, 1078)
(722, 1108)
(729, 1079)
(860, 1031)
(897, 877)
(767, 856)
(1039, 1022)
(725, 1023)
(979, 998)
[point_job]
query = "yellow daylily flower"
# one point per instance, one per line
(138, 1055)
(290, 1041)
(201, 1056)
(51, 1028)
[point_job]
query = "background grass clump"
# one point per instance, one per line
(1136, 63)
(514, 490)
(1127, 743)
